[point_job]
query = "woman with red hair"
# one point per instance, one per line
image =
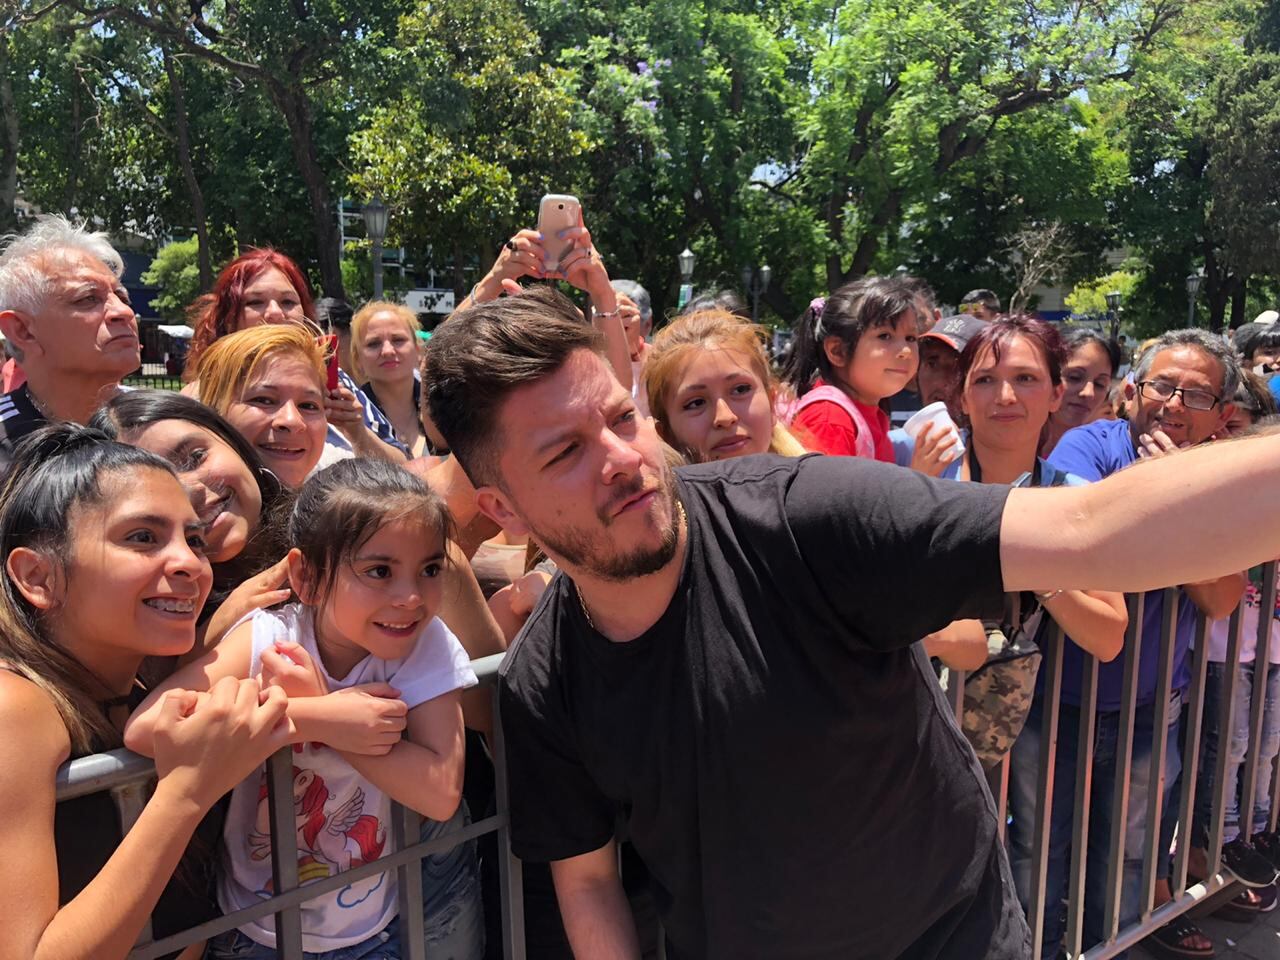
(265, 286)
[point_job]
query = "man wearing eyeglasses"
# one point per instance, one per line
(1180, 397)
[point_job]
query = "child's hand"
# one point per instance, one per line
(367, 719)
(934, 451)
(288, 666)
(526, 591)
(207, 743)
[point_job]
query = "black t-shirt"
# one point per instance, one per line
(776, 746)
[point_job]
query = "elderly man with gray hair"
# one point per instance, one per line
(635, 309)
(67, 320)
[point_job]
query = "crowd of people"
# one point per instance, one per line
(728, 588)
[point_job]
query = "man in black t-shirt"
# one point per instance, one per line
(725, 668)
(67, 320)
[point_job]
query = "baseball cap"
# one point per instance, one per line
(1267, 316)
(956, 331)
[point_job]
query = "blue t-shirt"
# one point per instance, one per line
(1094, 451)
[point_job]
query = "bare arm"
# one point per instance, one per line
(465, 612)
(203, 753)
(1217, 598)
(961, 645)
(594, 907)
(424, 770)
(1094, 619)
(1208, 512)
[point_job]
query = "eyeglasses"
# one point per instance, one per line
(1191, 399)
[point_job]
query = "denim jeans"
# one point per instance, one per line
(452, 910)
(1238, 748)
(1023, 776)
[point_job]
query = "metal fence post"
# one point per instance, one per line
(1227, 710)
(1257, 706)
(406, 828)
(284, 850)
(1151, 852)
(1124, 762)
(1083, 799)
(1051, 665)
(510, 871)
(1191, 753)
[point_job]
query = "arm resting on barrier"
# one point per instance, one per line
(594, 906)
(202, 753)
(1208, 512)
(961, 645)
(424, 770)
(1095, 620)
(1217, 598)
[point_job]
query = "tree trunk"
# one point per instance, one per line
(73, 151)
(189, 172)
(1216, 289)
(1239, 292)
(292, 101)
(9, 141)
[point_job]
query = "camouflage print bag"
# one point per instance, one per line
(997, 696)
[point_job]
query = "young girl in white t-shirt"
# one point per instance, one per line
(373, 680)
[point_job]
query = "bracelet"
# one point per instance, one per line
(1046, 597)
(612, 313)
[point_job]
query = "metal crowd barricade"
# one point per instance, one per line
(127, 777)
(1185, 896)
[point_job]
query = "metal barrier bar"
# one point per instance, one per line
(1132, 935)
(284, 851)
(1225, 713)
(1257, 706)
(955, 693)
(1151, 852)
(1191, 752)
(1002, 796)
(1074, 937)
(510, 873)
(1051, 666)
(1124, 761)
(406, 828)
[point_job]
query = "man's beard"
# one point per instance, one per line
(583, 551)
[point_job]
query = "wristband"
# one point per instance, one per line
(1046, 597)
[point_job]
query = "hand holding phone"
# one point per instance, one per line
(557, 212)
(330, 343)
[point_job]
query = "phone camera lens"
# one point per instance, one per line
(560, 206)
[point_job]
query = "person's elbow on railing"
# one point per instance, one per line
(961, 645)
(1216, 599)
(597, 917)
(203, 747)
(1095, 620)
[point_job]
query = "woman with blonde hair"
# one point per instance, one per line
(269, 383)
(711, 391)
(384, 356)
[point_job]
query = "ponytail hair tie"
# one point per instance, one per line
(817, 305)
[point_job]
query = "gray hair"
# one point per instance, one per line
(638, 294)
(1210, 343)
(24, 275)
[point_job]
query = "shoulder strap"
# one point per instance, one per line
(864, 444)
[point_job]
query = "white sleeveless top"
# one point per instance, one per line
(342, 820)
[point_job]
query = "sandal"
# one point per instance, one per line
(1174, 940)
(1247, 905)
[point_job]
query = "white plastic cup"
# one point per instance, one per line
(937, 415)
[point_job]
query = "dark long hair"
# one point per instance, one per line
(847, 314)
(54, 471)
(136, 410)
(338, 509)
(1084, 336)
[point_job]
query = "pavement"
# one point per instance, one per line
(1259, 940)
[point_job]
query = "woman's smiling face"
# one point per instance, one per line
(281, 413)
(223, 490)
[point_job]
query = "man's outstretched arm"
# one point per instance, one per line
(594, 906)
(1201, 515)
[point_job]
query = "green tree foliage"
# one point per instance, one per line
(176, 272)
(479, 130)
(1090, 297)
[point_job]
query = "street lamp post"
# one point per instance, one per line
(1113, 308)
(755, 282)
(375, 223)
(1193, 288)
(687, 260)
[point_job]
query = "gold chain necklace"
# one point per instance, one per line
(684, 519)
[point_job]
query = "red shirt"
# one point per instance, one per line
(824, 427)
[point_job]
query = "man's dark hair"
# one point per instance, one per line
(985, 297)
(333, 314)
(477, 358)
